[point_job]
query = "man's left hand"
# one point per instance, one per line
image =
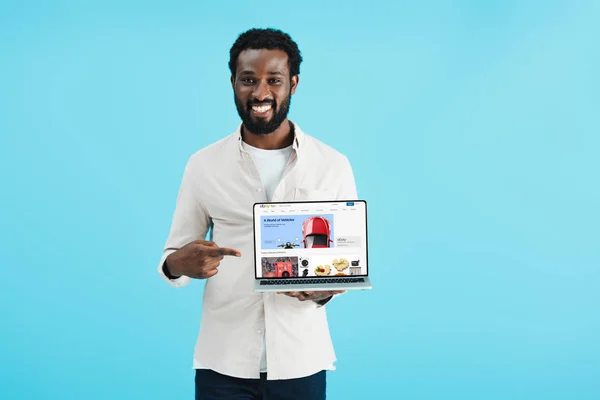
(314, 296)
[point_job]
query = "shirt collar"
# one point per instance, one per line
(296, 145)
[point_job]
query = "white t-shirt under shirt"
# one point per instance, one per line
(270, 164)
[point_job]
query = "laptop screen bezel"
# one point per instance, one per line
(254, 229)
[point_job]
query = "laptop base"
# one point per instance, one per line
(302, 285)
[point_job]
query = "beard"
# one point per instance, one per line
(262, 126)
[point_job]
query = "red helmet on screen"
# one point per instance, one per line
(316, 232)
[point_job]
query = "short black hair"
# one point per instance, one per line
(270, 39)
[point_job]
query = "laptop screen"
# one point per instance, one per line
(310, 239)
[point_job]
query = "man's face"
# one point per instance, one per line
(263, 89)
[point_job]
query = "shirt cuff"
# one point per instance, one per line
(177, 282)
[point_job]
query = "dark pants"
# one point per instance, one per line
(211, 385)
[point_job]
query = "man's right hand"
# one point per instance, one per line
(198, 259)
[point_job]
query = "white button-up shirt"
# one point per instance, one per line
(219, 187)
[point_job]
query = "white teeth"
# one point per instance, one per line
(261, 109)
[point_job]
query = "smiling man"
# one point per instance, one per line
(254, 345)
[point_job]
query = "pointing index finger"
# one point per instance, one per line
(224, 251)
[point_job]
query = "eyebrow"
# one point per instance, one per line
(246, 72)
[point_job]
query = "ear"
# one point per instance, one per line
(232, 82)
(294, 83)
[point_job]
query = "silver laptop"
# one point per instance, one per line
(311, 246)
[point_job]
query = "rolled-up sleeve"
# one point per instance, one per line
(190, 221)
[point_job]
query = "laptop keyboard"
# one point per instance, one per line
(310, 281)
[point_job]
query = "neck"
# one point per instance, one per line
(282, 137)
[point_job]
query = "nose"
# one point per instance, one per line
(261, 91)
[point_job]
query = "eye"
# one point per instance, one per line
(275, 81)
(247, 81)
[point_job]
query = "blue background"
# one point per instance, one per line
(473, 132)
(288, 231)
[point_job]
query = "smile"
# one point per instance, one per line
(261, 109)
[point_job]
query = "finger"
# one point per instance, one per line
(209, 257)
(291, 294)
(223, 251)
(204, 273)
(317, 295)
(210, 273)
(321, 295)
(207, 243)
(302, 296)
(211, 265)
(210, 269)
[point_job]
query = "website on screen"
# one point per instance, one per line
(304, 240)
